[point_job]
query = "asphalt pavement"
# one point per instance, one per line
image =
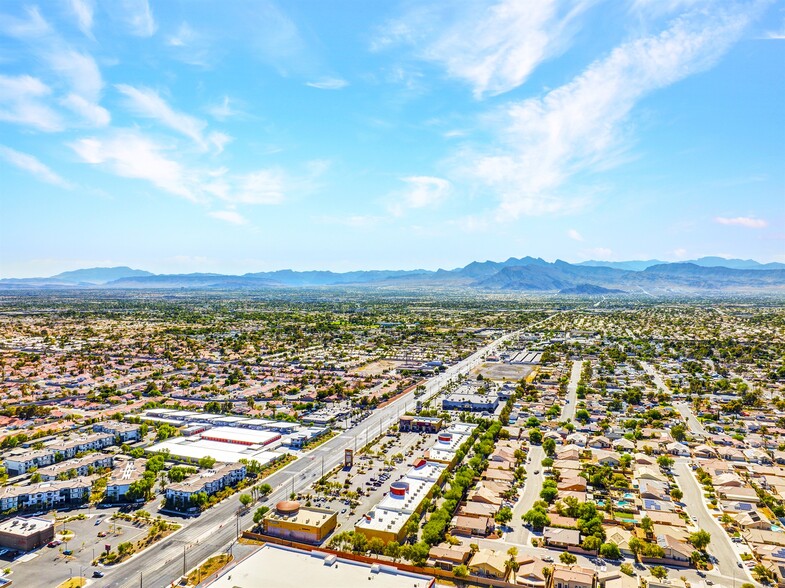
(215, 530)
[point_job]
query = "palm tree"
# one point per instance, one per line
(547, 573)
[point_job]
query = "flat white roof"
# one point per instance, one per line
(276, 566)
(24, 526)
(226, 452)
(242, 435)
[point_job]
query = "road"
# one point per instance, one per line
(216, 529)
(721, 546)
(568, 413)
(531, 494)
(693, 424)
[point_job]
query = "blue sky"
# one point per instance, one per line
(244, 136)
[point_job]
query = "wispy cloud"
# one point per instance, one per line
(265, 187)
(742, 221)
(421, 192)
(22, 102)
(328, 84)
(139, 17)
(229, 216)
(34, 166)
(223, 110)
(132, 155)
(82, 74)
(32, 26)
(184, 36)
(582, 126)
(494, 46)
(94, 114)
(574, 235)
(83, 11)
(147, 103)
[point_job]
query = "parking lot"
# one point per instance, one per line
(49, 566)
(372, 474)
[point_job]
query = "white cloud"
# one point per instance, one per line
(83, 11)
(742, 221)
(33, 26)
(223, 110)
(184, 36)
(139, 17)
(680, 253)
(132, 155)
(260, 187)
(219, 140)
(574, 235)
(422, 192)
(146, 102)
(21, 102)
(79, 70)
(32, 165)
(82, 74)
(93, 113)
(494, 46)
(229, 216)
(328, 84)
(580, 127)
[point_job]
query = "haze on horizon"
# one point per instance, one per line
(249, 136)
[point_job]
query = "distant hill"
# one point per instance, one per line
(703, 262)
(191, 281)
(590, 290)
(525, 274)
(635, 266)
(100, 275)
(736, 263)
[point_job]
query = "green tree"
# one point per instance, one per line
(610, 551)
(376, 545)
(246, 499)
(647, 525)
(659, 572)
(258, 516)
(592, 543)
(665, 462)
(206, 462)
(679, 432)
(676, 494)
(700, 539)
(504, 515)
(265, 489)
(393, 550)
(549, 447)
(535, 436)
(567, 558)
(537, 518)
(460, 571)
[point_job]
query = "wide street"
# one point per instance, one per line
(721, 546)
(215, 530)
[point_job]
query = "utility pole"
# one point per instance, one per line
(322, 465)
(184, 568)
(140, 579)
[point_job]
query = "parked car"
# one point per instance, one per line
(547, 558)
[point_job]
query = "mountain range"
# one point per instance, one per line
(526, 274)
